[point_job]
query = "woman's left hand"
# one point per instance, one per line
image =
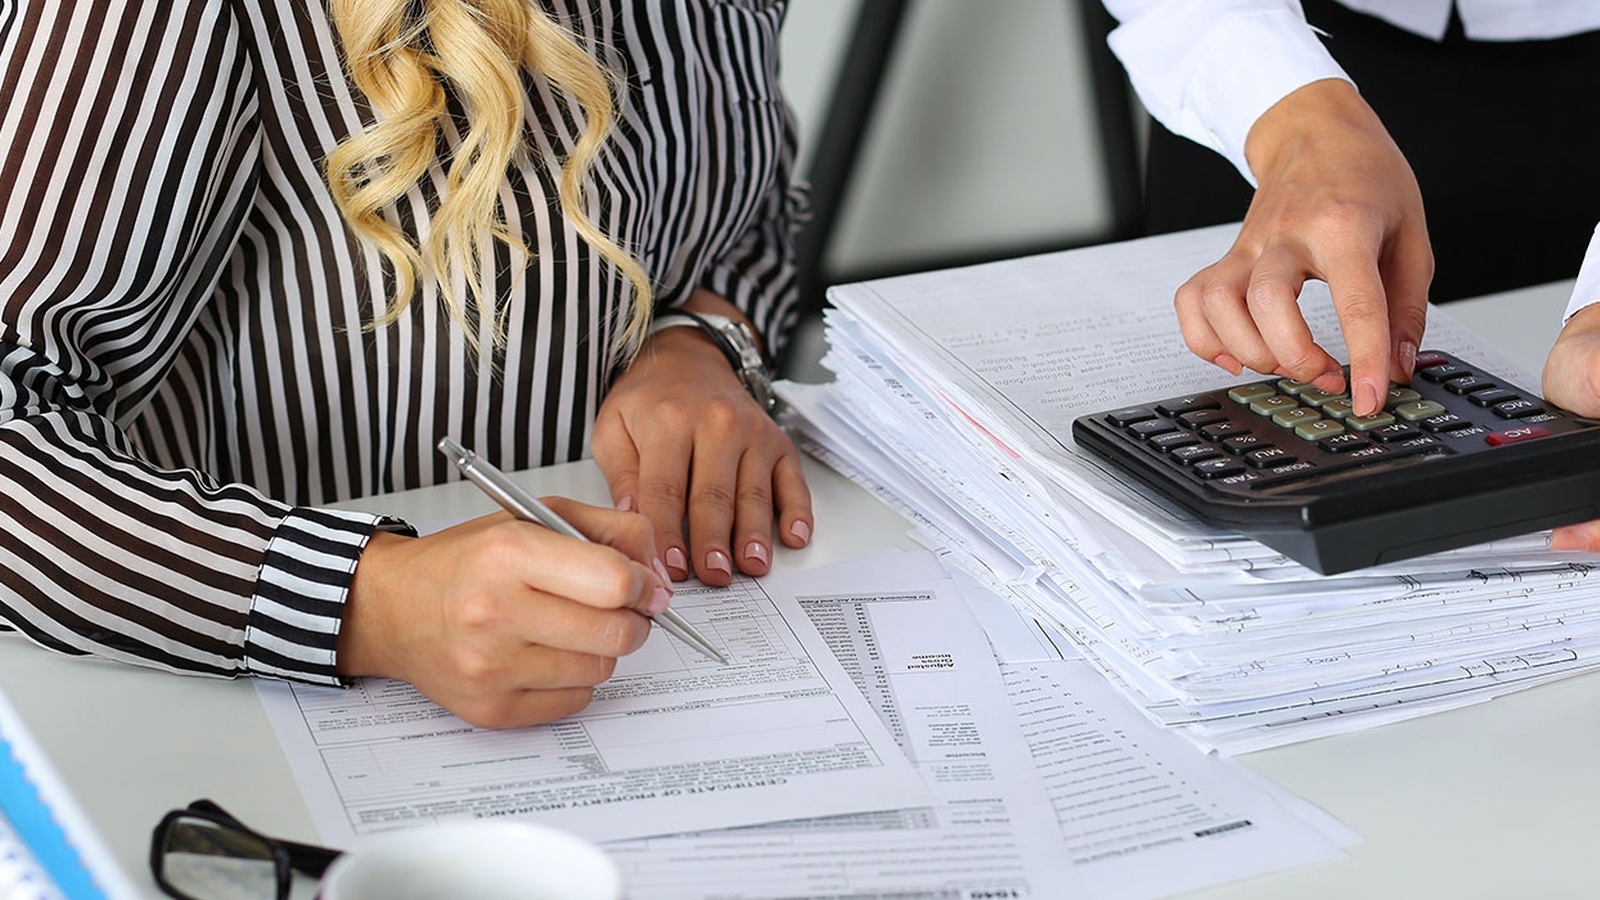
(678, 438)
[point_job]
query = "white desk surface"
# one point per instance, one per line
(1499, 800)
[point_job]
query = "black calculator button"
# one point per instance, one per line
(1243, 443)
(1244, 393)
(1399, 395)
(1492, 396)
(1343, 443)
(1466, 384)
(1172, 440)
(1516, 435)
(1316, 431)
(1418, 410)
(1267, 457)
(1180, 405)
(1445, 372)
(1457, 434)
(1427, 359)
(1221, 430)
(1295, 471)
(1399, 431)
(1516, 409)
(1151, 427)
(1368, 423)
(1218, 468)
(1202, 417)
(1446, 422)
(1422, 443)
(1266, 406)
(1122, 418)
(1195, 453)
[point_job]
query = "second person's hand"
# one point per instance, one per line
(1336, 201)
(1571, 380)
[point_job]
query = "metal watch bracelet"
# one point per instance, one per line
(736, 342)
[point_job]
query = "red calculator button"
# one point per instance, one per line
(1513, 435)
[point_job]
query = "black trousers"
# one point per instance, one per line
(1504, 139)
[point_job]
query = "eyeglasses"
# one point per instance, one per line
(203, 853)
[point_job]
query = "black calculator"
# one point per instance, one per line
(1458, 457)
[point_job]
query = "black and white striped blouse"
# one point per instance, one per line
(185, 382)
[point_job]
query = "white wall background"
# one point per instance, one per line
(984, 137)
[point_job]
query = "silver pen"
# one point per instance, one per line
(525, 506)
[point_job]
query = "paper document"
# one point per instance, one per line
(901, 629)
(672, 742)
(954, 399)
(1143, 813)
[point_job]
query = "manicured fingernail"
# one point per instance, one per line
(660, 600)
(801, 531)
(757, 551)
(1369, 399)
(662, 573)
(677, 563)
(626, 503)
(1408, 357)
(717, 561)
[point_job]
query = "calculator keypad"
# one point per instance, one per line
(1276, 432)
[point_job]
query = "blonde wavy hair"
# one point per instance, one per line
(404, 55)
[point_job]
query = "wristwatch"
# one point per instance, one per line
(736, 341)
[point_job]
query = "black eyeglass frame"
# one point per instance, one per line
(287, 856)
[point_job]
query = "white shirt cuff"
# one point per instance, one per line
(1208, 70)
(1587, 290)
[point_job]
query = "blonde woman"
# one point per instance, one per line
(257, 256)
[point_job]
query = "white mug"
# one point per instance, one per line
(480, 860)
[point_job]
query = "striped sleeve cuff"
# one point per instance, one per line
(298, 604)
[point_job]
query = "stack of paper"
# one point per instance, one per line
(954, 399)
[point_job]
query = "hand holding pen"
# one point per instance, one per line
(503, 623)
(525, 506)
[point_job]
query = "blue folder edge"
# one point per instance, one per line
(34, 823)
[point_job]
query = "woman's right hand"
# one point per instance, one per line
(503, 622)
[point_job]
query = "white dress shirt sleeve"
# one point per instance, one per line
(1587, 290)
(1207, 69)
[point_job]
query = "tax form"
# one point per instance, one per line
(903, 632)
(1142, 813)
(673, 741)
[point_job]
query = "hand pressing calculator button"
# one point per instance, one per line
(1458, 457)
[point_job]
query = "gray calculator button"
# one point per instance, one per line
(1418, 410)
